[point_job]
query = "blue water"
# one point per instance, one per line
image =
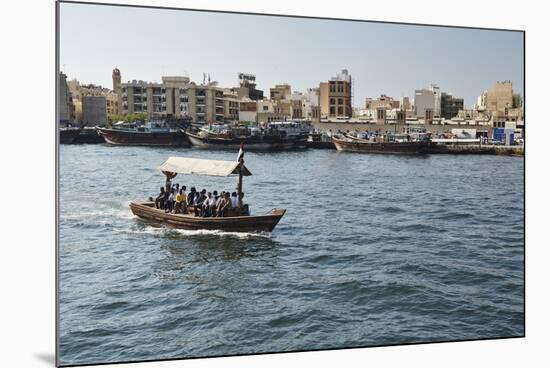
(373, 250)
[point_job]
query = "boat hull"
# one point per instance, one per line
(381, 147)
(68, 135)
(251, 143)
(89, 136)
(247, 224)
(320, 145)
(136, 138)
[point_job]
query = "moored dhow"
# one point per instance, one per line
(349, 143)
(275, 136)
(68, 135)
(320, 140)
(150, 134)
(89, 135)
(235, 220)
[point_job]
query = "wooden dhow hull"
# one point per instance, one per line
(349, 145)
(68, 135)
(251, 143)
(137, 138)
(320, 145)
(89, 135)
(246, 224)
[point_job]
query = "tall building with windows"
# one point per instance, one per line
(450, 106)
(501, 104)
(335, 96)
(175, 98)
(230, 105)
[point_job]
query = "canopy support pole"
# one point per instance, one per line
(240, 185)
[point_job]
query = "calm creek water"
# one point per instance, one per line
(373, 250)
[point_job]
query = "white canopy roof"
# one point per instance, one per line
(197, 166)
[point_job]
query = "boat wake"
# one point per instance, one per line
(119, 211)
(151, 230)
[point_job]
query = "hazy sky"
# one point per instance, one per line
(382, 58)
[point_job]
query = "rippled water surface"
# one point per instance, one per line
(373, 250)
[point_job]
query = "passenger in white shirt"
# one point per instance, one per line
(219, 201)
(171, 201)
(208, 205)
(234, 200)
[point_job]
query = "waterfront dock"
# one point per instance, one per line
(477, 149)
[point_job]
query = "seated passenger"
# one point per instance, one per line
(243, 207)
(169, 206)
(219, 204)
(180, 201)
(159, 201)
(214, 207)
(191, 197)
(226, 205)
(209, 206)
(234, 200)
(199, 199)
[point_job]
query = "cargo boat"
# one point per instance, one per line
(350, 144)
(68, 135)
(149, 134)
(277, 136)
(320, 141)
(89, 135)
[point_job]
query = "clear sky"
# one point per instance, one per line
(382, 58)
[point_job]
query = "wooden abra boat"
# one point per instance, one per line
(233, 223)
(247, 224)
(361, 145)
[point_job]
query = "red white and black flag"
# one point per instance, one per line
(241, 153)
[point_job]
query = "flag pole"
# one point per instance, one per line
(240, 185)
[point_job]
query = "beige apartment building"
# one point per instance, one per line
(248, 109)
(176, 97)
(501, 101)
(384, 102)
(231, 105)
(280, 92)
(81, 91)
(274, 110)
(335, 96)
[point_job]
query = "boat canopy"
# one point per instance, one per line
(197, 166)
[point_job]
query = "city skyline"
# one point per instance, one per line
(382, 58)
